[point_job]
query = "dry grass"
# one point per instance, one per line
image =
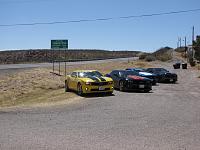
(32, 86)
(39, 86)
(108, 67)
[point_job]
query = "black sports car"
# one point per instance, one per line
(142, 72)
(128, 80)
(163, 75)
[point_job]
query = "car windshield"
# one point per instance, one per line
(129, 73)
(87, 74)
(139, 70)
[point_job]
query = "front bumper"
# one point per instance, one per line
(139, 86)
(168, 79)
(97, 89)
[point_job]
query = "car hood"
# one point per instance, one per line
(96, 79)
(145, 73)
(166, 73)
(136, 78)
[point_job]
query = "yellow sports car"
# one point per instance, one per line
(88, 81)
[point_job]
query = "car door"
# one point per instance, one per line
(115, 77)
(73, 81)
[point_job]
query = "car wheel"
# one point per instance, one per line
(66, 86)
(147, 90)
(174, 81)
(109, 93)
(121, 86)
(79, 90)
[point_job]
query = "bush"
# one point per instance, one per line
(192, 63)
(150, 58)
(142, 56)
(163, 54)
(165, 57)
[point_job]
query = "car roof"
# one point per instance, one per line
(136, 68)
(155, 68)
(84, 70)
(122, 70)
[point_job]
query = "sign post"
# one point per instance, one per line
(59, 45)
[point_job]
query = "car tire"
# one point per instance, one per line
(121, 85)
(109, 93)
(66, 86)
(79, 89)
(174, 81)
(147, 90)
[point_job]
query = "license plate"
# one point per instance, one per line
(171, 80)
(101, 88)
(141, 86)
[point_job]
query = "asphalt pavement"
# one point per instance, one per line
(36, 65)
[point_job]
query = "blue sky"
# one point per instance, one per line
(146, 33)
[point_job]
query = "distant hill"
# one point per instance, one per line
(162, 54)
(47, 55)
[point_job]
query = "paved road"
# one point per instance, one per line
(36, 65)
(166, 119)
(13, 68)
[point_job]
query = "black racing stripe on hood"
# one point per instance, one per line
(102, 79)
(93, 78)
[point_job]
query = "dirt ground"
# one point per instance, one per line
(28, 87)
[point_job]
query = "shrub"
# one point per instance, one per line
(163, 54)
(142, 56)
(150, 58)
(164, 57)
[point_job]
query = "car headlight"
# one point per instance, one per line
(88, 83)
(110, 82)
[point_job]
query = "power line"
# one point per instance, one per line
(100, 19)
(23, 1)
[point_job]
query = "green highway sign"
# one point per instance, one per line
(59, 44)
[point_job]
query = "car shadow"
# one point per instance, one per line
(139, 92)
(134, 91)
(168, 83)
(92, 95)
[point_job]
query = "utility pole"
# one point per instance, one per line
(192, 35)
(193, 42)
(185, 40)
(177, 45)
(185, 48)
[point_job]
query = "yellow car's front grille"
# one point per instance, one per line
(106, 89)
(99, 83)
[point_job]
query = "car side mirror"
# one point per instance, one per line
(107, 75)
